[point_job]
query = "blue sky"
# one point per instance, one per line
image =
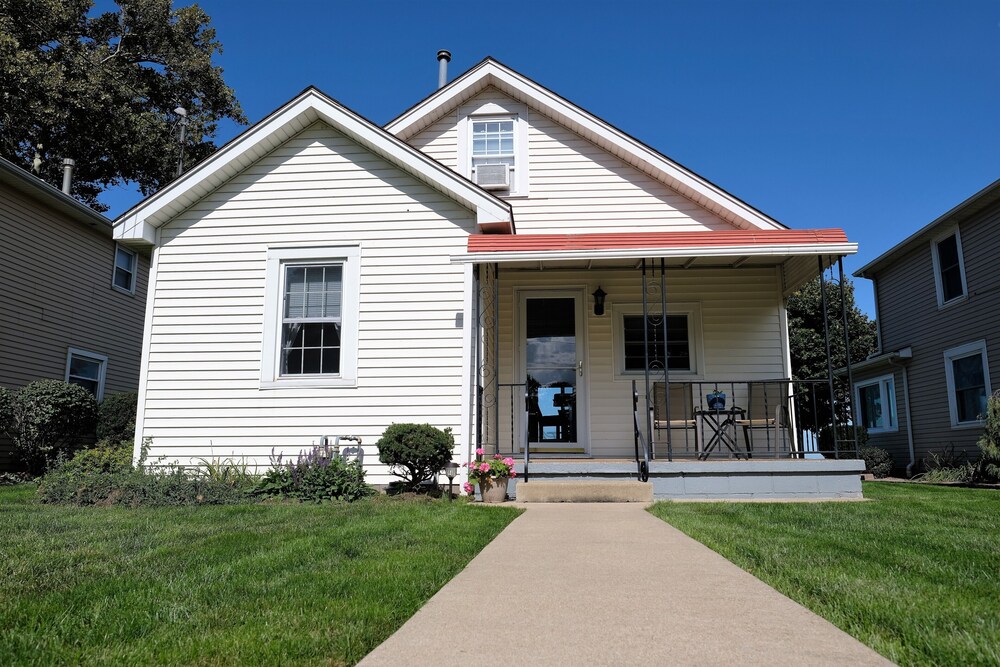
(872, 116)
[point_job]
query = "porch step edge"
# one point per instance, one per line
(584, 491)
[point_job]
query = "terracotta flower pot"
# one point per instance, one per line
(493, 490)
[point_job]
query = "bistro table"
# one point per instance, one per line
(722, 429)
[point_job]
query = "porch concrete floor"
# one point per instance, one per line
(608, 584)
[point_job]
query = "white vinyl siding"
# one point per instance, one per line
(741, 337)
(206, 340)
(575, 186)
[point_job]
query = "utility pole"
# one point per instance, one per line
(182, 112)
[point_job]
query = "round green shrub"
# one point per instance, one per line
(415, 452)
(46, 421)
(878, 461)
(116, 417)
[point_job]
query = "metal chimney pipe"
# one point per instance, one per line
(443, 58)
(68, 165)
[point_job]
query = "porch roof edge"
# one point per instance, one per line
(760, 250)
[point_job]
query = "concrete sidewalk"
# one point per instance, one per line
(610, 584)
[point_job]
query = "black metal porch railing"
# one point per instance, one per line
(740, 419)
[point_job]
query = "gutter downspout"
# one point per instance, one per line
(906, 354)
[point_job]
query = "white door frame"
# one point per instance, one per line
(579, 293)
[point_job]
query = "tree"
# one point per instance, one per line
(102, 89)
(808, 346)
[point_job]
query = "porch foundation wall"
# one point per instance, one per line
(719, 480)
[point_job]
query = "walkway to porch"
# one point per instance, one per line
(611, 584)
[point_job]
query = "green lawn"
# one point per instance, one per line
(915, 573)
(261, 584)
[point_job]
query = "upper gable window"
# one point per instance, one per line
(949, 269)
(493, 146)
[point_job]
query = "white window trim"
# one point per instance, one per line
(887, 389)
(938, 286)
(350, 256)
(135, 269)
(93, 356)
(504, 111)
(691, 309)
(949, 373)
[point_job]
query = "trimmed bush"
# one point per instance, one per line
(987, 467)
(116, 417)
(415, 452)
(315, 476)
(46, 421)
(878, 462)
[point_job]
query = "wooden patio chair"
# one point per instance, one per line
(768, 418)
(681, 417)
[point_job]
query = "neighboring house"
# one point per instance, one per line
(72, 300)
(322, 276)
(937, 300)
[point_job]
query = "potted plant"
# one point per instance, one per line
(491, 476)
(716, 400)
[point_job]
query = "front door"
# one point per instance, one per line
(553, 371)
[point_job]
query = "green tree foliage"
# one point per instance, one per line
(808, 346)
(415, 452)
(101, 89)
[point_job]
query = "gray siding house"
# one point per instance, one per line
(72, 301)
(937, 299)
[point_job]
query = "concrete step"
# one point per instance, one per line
(588, 491)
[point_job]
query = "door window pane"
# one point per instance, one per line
(551, 367)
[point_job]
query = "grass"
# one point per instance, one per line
(915, 574)
(262, 584)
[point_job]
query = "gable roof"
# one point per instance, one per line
(139, 223)
(490, 72)
(36, 188)
(988, 196)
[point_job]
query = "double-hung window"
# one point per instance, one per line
(949, 268)
(126, 262)
(967, 374)
(493, 146)
(86, 369)
(634, 340)
(876, 400)
(311, 317)
(493, 153)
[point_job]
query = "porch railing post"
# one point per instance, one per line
(645, 355)
(847, 347)
(829, 360)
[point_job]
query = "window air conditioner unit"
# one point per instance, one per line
(493, 176)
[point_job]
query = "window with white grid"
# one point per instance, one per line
(493, 143)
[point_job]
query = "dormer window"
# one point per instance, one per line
(493, 153)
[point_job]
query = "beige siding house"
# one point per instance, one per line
(938, 313)
(71, 300)
(496, 261)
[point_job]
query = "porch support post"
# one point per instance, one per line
(477, 341)
(829, 361)
(645, 355)
(496, 357)
(666, 356)
(847, 347)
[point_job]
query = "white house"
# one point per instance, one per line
(485, 262)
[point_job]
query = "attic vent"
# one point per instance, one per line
(493, 176)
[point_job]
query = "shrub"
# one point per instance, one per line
(116, 417)
(415, 452)
(987, 467)
(46, 420)
(878, 461)
(845, 434)
(104, 475)
(316, 475)
(13, 478)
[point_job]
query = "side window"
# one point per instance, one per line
(949, 268)
(876, 400)
(126, 264)
(87, 369)
(967, 374)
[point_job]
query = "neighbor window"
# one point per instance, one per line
(311, 316)
(680, 351)
(949, 269)
(493, 155)
(877, 404)
(86, 369)
(125, 269)
(967, 374)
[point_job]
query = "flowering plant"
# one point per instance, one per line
(489, 469)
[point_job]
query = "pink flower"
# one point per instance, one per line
(469, 488)
(496, 456)
(508, 461)
(479, 452)
(513, 473)
(484, 467)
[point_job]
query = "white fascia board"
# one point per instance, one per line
(310, 106)
(540, 97)
(836, 249)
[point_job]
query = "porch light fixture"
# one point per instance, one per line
(599, 296)
(450, 471)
